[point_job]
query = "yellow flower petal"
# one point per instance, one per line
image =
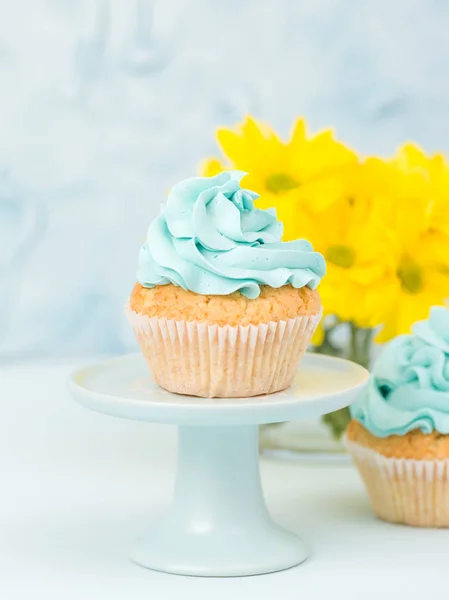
(253, 147)
(320, 155)
(410, 155)
(211, 166)
(298, 136)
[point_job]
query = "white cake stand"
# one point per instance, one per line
(218, 524)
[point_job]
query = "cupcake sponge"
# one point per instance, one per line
(415, 444)
(273, 304)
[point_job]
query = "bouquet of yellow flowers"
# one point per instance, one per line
(382, 225)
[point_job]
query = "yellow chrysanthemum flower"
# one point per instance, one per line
(435, 172)
(285, 173)
(418, 226)
(416, 286)
(354, 243)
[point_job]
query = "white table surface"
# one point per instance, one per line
(76, 487)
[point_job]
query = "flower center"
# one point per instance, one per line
(340, 255)
(410, 275)
(280, 182)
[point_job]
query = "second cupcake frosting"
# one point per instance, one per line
(210, 239)
(409, 386)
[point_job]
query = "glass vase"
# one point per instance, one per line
(321, 438)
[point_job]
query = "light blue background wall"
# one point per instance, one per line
(106, 103)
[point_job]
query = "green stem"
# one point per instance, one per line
(353, 342)
(366, 347)
(359, 352)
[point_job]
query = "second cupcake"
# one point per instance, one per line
(399, 435)
(221, 306)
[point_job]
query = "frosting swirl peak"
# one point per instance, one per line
(409, 384)
(210, 239)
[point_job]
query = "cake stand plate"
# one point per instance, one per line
(218, 524)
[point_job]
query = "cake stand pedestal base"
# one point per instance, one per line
(218, 524)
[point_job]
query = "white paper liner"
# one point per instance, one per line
(404, 490)
(198, 359)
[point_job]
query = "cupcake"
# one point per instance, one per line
(399, 432)
(222, 307)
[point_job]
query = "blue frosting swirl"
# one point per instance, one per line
(210, 239)
(409, 384)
